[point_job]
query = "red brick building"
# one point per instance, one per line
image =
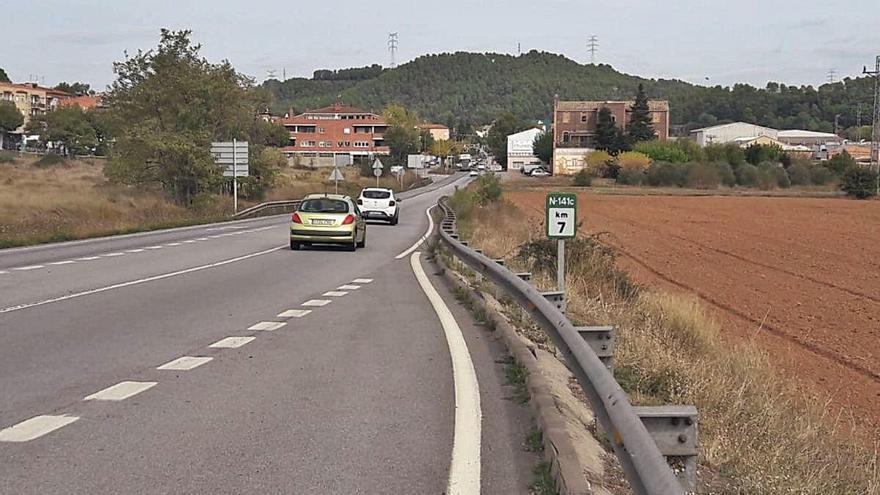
(335, 135)
(574, 122)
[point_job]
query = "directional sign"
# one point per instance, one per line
(229, 155)
(336, 175)
(561, 218)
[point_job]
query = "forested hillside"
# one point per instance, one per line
(466, 89)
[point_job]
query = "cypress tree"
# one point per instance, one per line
(639, 127)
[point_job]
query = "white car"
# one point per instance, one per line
(473, 173)
(378, 203)
(539, 172)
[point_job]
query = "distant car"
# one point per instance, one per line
(527, 169)
(327, 219)
(396, 169)
(473, 173)
(379, 204)
(539, 172)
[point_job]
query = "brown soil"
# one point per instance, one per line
(801, 275)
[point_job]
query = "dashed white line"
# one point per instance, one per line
(3, 272)
(294, 313)
(317, 302)
(464, 468)
(335, 293)
(65, 262)
(232, 342)
(362, 281)
(88, 258)
(139, 281)
(134, 251)
(202, 239)
(185, 363)
(421, 239)
(348, 287)
(28, 268)
(113, 255)
(121, 391)
(267, 326)
(173, 244)
(189, 241)
(154, 247)
(35, 427)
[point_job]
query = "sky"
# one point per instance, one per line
(704, 42)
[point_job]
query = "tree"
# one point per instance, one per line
(401, 141)
(496, 139)
(640, 126)
(841, 163)
(10, 118)
(68, 128)
(171, 104)
(269, 134)
(3, 76)
(542, 147)
(76, 88)
(608, 136)
(760, 153)
(859, 182)
(443, 148)
(426, 140)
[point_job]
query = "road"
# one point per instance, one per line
(213, 359)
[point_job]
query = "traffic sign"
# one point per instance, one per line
(336, 175)
(231, 155)
(561, 215)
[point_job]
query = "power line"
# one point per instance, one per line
(392, 47)
(593, 47)
(875, 122)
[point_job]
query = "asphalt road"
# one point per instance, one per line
(358, 395)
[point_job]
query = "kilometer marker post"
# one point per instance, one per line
(561, 223)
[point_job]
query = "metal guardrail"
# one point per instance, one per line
(644, 465)
(285, 206)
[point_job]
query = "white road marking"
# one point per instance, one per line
(317, 302)
(65, 262)
(202, 239)
(113, 255)
(121, 391)
(185, 363)
(3, 271)
(139, 281)
(173, 244)
(348, 287)
(88, 258)
(334, 293)
(421, 239)
(294, 313)
(213, 236)
(35, 427)
(232, 342)
(28, 268)
(189, 241)
(154, 247)
(267, 325)
(362, 281)
(464, 469)
(134, 250)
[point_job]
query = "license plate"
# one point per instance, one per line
(321, 221)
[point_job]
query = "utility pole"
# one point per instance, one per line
(832, 74)
(875, 122)
(519, 48)
(593, 47)
(392, 47)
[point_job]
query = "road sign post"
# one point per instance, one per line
(233, 156)
(377, 170)
(234, 180)
(336, 176)
(561, 224)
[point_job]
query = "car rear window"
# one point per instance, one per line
(323, 205)
(377, 194)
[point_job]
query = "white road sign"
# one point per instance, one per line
(229, 157)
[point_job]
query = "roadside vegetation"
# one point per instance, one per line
(761, 432)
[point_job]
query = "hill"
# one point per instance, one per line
(466, 89)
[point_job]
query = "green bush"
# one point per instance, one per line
(488, 189)
(820, 176)
(841, 163)
(582, 179)
(666, 174)
(729, 153)
(759, 153)
(631, 177)
(771, 176)
(800, 174)
(725, 173)
(694, 152)
(703, 176)
(7, 156)
(747, 175)
(49, 159)
(664, 151)
(859, 182)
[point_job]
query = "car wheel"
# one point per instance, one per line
(295, 246)
(363, 242)
(394, 220)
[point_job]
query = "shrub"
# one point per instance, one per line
(729, 153)
(662, 151)
(598, 162)
(859, 182)
(759, 153)
(841, 163)
(7, 156)
(582, 179)
(725, 173)
(800, 174)
(703, 176)
(631, 177)
(666, 174)
(820, 176)
(633, 161)
(694, 152)
(488, 189)
(49, 159)
(747, 175)
(771, 176)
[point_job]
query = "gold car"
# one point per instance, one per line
(328, 219)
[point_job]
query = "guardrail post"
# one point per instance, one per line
(674, 429)
(602, 340)
(477, 275)
(526, 277)
(557, 297)
(499, 292)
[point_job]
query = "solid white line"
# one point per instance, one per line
(294, 313)
(232, 342)
(28, 268)
(121, 391)
(267, 325)
(89, 258)
(348, 287)
(59, 263)
(134, 251)
(464, 469)
(422, 239)
(362, 281)
(137, 282)
(113, 255)
(335, 293)
(35, 428)
(317, 302)
(202, 239)
(185, 363)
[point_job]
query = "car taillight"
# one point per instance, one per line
(349, 219)
(360, 201)
(391, 203)
(295, 218)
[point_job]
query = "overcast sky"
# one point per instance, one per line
(753, 41)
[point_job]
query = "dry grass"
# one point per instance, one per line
(760, 432)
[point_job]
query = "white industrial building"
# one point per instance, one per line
(519, 149)
(797, 137)
(728, 133)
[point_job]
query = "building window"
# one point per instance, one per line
(583, 117)
(321, 130)
(565, 118)
(347, 130)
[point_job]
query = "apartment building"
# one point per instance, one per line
(335, 135)
(31, 99)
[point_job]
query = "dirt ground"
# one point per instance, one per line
(801, 275)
